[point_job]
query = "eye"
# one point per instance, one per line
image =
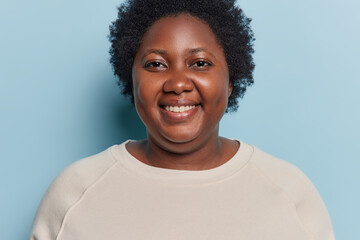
(155, 66)
(201, 64)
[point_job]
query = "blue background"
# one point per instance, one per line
(59, 101)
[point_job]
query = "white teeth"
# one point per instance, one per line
(179, 109)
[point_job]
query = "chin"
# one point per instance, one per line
(180, 139)
(176, 137)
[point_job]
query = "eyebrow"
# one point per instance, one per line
(188, 50)
(156, 51)
(196, 50)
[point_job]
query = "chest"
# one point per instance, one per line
(245, 207)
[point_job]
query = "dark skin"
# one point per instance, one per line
(180, 65)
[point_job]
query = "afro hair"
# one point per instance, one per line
(228, 22)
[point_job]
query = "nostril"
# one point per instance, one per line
(178, 84)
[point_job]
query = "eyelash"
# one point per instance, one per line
(206, 63)
(151, 64)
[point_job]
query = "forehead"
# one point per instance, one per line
(180, 32)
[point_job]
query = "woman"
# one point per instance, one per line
(184, 64)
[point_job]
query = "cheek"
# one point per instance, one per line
(140, 97)
(143, 89)
(146, 91)
(215, 89)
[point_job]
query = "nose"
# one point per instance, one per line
(178, 82)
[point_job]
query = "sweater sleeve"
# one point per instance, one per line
(308, 203)
(65, 191)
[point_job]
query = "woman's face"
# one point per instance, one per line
(181, 83)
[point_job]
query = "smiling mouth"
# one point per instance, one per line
(176, 113)
(178, 109)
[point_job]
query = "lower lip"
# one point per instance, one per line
(179, 116)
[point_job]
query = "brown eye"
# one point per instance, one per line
(201, 64)
(155, 65)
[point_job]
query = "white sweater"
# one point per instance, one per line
(112, 195)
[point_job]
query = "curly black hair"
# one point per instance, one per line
(228, 22)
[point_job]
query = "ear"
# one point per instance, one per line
(230, 88)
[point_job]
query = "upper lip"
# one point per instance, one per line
(178, 102)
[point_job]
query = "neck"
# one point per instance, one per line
(204, 156)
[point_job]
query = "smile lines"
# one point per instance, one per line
(178, 109)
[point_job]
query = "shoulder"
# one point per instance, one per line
(279, 172)
(84, 171)
(82, 174)
(296, 186)
(66, 190)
